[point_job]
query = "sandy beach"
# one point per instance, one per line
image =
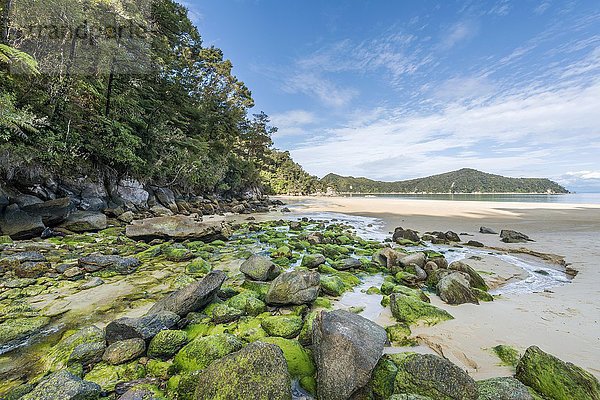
(564, 321)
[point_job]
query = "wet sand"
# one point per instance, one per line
(564, 322)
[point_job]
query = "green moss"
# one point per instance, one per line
(158, 369)
(373, 290)
(222, 313)
(332, 285)
(249, 302)
(200, 352)
(19, 328)
(5, 239)
(305, 336)
(176, 254)
(299, 363)
(349, 279)
(282, 251)
(507, 354)
(383, 377)
(166, 343)
(250, 329)
(554, 378)
(287, 326)
(322, 302)
(309, 383)
(410, 310)
(482, 295)
(198, 266)
(60, 353)
(107, 376)
(398, 335)
(259, 287)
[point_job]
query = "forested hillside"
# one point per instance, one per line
(462, 181)
(151, 101)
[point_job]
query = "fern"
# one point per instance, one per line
(19, 59)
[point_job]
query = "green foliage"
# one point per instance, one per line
(183, 119)
(462, 181)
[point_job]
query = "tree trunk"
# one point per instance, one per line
(6, 22)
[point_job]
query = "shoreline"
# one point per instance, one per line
(564, 321)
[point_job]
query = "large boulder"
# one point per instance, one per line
(415, 258)
(505, 388)
(455, 289)
(53, 212)
(192, 297)
(313, 260)
(258, 371)
(177, 227)
(554, 378)
(200, 352)
(411, 309)
(475, 279)
(145, 327)
(487, 231)
(432, 376)
(85, 221)
(387, 257)
(400, 235)
(63, 385)
(260, 268)
(21, 225)
(346, 350)
(124, 350)
(129, 191)
(166, 197)
(97, 262)
(509, 236)
(296, 287)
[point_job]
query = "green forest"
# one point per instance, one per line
(462, 181)
(129, 90)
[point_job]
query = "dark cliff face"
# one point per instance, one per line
(465, 180)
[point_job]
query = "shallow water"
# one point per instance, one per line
(541, 275)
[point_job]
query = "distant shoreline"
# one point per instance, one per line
(445, 193)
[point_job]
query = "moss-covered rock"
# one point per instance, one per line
(222, 313)
(476, 279)
(482, 295)
(124, 350)
(64, 385)
(409, 309)
(300, 364)
(259, 371)
(398, 335)
(305, 336)
(312, 260)
(158, 369)
(166, 343)
(176, 253)
(383, 378)
(247, 301)
(286, 326)
(432, 376)
(332, 285)
(250, 329)
(554, 378)
(198, 266)
(505, 388)
(108, 376)
(260, 268)
(200, 352)
(507, 354)
(20, 328)
(59, 355)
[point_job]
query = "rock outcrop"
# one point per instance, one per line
(346, 349)
(296, 287)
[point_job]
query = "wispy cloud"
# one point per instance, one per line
(321, 88)
(293, 122)
(540, 9)
(457, 33)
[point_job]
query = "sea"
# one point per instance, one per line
(570, 198)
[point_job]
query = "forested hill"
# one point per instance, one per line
(462, 181)
(151, 103)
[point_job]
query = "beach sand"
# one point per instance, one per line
(564, 322)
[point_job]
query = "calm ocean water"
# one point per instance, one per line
(572, 198)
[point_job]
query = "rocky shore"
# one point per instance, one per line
(172, 307)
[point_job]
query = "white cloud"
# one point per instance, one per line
(457, 33)
(323, 89)
(540, 124)
(584, 174)
(292, 122)
(542, 8)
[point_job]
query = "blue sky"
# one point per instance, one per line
(399, 89)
